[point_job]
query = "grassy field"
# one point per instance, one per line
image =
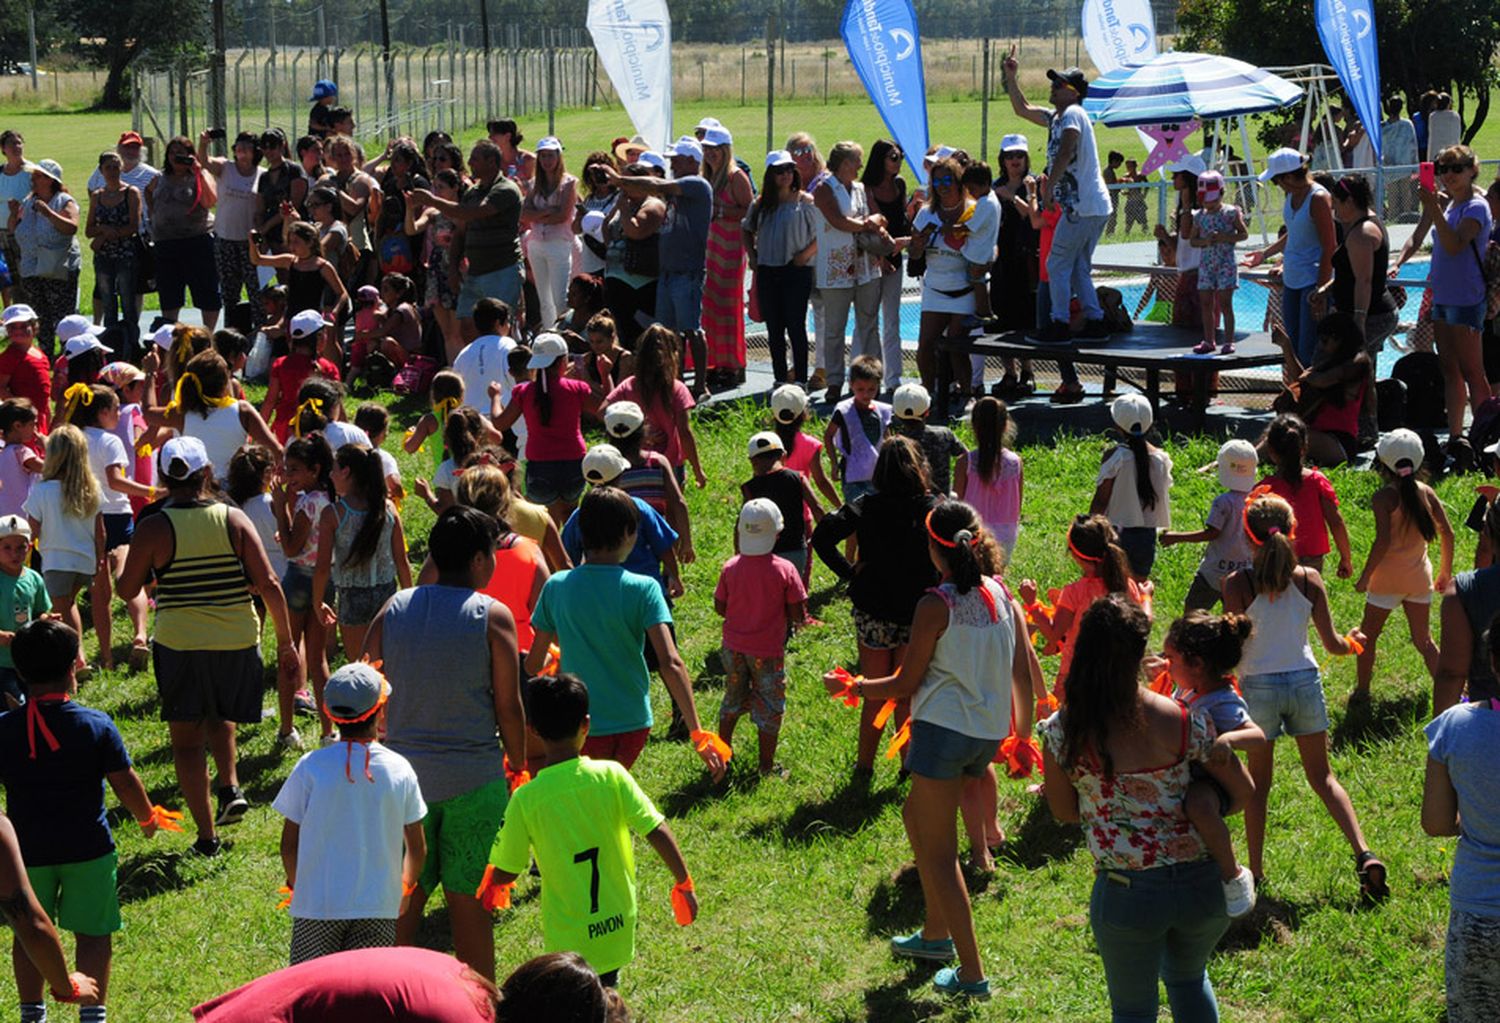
(802, 881)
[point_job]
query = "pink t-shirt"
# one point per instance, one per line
(661, 421)
(1310, 536)
(561, 438)
(756, 590)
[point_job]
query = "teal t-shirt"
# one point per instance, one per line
(600, 614)
(23, 598)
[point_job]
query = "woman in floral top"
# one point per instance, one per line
(1117, 761)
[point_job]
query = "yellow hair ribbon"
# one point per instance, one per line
(175, 407)
(74, 396)
(313, 405)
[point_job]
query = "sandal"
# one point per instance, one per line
(1372, 876)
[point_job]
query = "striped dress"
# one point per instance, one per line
(724, 289)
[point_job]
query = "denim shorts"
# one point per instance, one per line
(560, 480)
(119, 527)
(297, 587)
(1471, 316)
(941, 753)
(1287, 702)
(679, 300)
(504, 284)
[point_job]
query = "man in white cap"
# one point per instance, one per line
(1077, 186)
(206, 649)
(683, 241)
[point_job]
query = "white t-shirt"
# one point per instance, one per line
(481, 361)
(1125, 509)
(66, 542)
(1082, 187)
(349, 849)
(261, 515)
(106, 449)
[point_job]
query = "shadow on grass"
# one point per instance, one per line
(896, 905)
(1040, 839)
(1368, 722)
(844, 813)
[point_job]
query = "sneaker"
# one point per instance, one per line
(1094, 329)
(946, 982)
(290, 740)
(914, 946)
(232, 806)
(304, 702)
(1239, 894)
(1054, 333)
(208, 848)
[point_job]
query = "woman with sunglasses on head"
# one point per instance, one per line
(886, 190)
(781, 238)
(1461, 229)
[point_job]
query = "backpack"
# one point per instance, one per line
(1426, 404)
(1116, 318)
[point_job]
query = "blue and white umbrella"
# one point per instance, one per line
(1176, 87)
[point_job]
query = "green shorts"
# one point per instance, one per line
(80, 897)
(460, 832)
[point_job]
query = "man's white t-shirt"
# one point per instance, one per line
(349, 849)
(1082, 187)
(481, 361)
(106, 449)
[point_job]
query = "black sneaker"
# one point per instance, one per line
(1094, 329)
(232, 806)
(208, 848)
(1054, 333)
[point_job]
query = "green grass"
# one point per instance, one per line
(796, 878)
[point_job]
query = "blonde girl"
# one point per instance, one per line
(63, 508)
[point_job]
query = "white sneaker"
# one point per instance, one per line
(1239, 894)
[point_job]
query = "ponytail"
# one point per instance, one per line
(968, 549)
(1144, 489)
(1269, 524)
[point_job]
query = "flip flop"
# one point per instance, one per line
(1372, 876)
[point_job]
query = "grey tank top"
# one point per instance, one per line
(441, 712)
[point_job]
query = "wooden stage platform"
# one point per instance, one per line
(1152, 347)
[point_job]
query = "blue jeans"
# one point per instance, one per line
(115, 297)
(679, 300)
(1301, 327)
(1070, 265)
(1162, 923)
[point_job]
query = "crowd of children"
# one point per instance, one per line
(541, 621)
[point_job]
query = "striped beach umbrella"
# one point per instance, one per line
(1175, 87)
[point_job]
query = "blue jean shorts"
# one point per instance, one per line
(941, 753)
(1471, 316)
(1287, 702)
(679, 300)
(297, 587)
(504, 284)
(548, 481)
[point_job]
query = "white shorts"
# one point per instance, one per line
(1391, 601)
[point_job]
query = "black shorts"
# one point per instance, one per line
(201, 685)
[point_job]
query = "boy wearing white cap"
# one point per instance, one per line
(760, 596)
(23, 598)
(349, 808)
(1228, 547)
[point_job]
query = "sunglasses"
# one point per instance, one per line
(1452, 168)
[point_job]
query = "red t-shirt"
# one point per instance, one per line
(371, 985)
(1310, 537)
(290, 372)
(30, 378)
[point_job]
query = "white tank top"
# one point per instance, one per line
(1278, 641)
(222, 435)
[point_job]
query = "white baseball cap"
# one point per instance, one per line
(1132, 414)
(760, 522)
(163, 336)
(707, 123)
(306, 323)
(76, 325)
(717, 136)
(1191, 164)
(549, 142)
(81, 343)
(546, 350)
(19, 313)
(622, 418)
(764, 442)
(180, 457)
(779, 157)
(14, 525)
(1014, 142)
(687, 146)
(1283, 161)
(788, 402)
(940, 153)
(652, 159)
(1401, 446)
(603, 464)
(911, 401)
(1238, 463)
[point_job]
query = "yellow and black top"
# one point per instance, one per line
(202, 600)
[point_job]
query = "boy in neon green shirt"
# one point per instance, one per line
(576, 817)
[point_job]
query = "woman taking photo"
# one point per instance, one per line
(724, 270)
(1118, 761)
(780, 232)
(845, 274)
(886, 191)
(114, 219)
(45, 226)
(632, 261)
(1460, 234)
(180, 202)
(1014, 275)
(547, 213)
